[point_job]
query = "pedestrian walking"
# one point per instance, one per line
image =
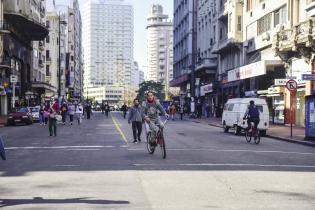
(71, 111)
(135, 116)
(41, 115)
(79, 113)
(181, 111)
(103, 108)
(52, 122)
(208, 110)
(173, 111)
(64, 112)
(46, 113)
(124, 110)
(88, 110)
(107, 109)
(199, 109)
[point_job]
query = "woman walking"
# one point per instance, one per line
(64, 111)
(46, 113)
(173, 111)
(71, 112)
(79, 113)
(52, 122)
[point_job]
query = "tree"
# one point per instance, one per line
(151, 85)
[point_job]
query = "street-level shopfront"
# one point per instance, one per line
(209, 97)
(257, 80)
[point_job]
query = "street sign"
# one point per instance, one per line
(308, 77)
(291, 85)
(283, 82)
(13, 79)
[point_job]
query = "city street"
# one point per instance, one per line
(95, 165)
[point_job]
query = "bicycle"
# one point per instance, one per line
(252, 131)
(159, 140)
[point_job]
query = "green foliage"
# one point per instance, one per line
(157, 87)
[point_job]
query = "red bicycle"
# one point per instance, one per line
(159, 140)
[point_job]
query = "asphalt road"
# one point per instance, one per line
(95, 166)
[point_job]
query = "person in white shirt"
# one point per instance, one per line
(79, 112)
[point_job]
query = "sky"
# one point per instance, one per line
(141, 11)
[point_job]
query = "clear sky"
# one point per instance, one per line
(141, 10)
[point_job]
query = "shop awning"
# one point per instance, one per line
(251, 70)
(179, 80)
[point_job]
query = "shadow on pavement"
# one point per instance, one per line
(40, 200)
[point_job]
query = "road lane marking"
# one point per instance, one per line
(224, 150)
(59, 147)
(225, 164)
(67, 165)
(119, 130)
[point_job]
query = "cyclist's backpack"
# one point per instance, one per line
(253, 112)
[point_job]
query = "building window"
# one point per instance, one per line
(47, 24)
(239, 23)
(280, 16)
(47, 54)
(47, 70)
(230, 22)
(249, 5)
(47, 39)
(264, 24)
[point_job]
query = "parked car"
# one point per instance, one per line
(20, 115)
(234, 111)
(35, 113)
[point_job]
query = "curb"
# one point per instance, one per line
(306, 143)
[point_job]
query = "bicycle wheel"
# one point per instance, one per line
(163, 147)
(150, 147)
(257, 137)
(248, 136)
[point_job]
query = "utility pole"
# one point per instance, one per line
(59, 63)
(194, 46)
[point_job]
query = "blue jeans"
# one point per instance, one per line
(41, 118)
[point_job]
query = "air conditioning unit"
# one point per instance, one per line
(266, 36)
(245, 44)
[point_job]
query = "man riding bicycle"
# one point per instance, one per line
(252, 115)
(151, 108)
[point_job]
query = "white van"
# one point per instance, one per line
(234, 111)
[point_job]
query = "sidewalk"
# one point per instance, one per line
(275, 131)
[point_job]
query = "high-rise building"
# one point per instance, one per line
(135, 78)
(108, 44)
(160, 47)
(74, 49)
(185, 44)
(56, 50)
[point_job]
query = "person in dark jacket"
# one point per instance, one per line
(107, 109)
(124, 110)
(135, 116)
(88, 110)
(64, 112)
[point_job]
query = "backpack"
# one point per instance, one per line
(253, 112)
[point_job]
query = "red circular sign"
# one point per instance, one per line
(291, 85)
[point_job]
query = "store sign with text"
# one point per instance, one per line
(248, 71)
(206, 89)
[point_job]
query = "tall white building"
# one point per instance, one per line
(108, 43)
(160, 47)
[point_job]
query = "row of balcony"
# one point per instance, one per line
(290, 39)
